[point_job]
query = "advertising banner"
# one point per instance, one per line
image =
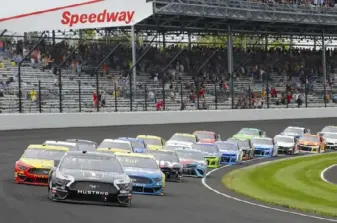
(42, 15)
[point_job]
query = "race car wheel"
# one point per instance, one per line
(50, 194)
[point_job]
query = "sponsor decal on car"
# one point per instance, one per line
(92, 192)
(104, 17)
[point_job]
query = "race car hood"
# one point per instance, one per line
(191, 162)
(210, 154)
(308, 143)
(37, 163)
(207, 140)
(180, 143)
(138, 149)
(143, 172)
(92, 175)
(154, 147)
(285, 144)
(261, 146)
(228, 152)
(242, 136)
(167, 164)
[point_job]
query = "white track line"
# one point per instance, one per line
(323, 172)
(203, 181)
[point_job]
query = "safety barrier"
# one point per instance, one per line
(68, 120)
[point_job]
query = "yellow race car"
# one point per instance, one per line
(144, 171)
(152, 142)
(34, 165)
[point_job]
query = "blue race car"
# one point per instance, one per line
(193, 162)
(146, 176)
(138, 145)
(264, 147)
(231, 152)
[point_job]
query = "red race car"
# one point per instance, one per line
(207, 136)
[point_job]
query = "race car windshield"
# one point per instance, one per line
(205, 135)
(183, 138)
(242, 143)
(310, 138)
(155, 142)
(163, 156)
(138, 162)
(227, 146)
(91, 163)
(252, 132)
(293, 131)
(43, 154)
(194, 155)
(330, 129)
(172, 147)
(330, 136)
(71, 148)
(137, 144)
(262, 141)
(205, 148)
(86, 146)
(283, 139)
(115, 145)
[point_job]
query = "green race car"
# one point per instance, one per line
(249, 133)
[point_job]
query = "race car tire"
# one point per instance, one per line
(126, 205)
(50, 195)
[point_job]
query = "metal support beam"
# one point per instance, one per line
(324, 66)
(134, 57)
(3, 32)
(230, 61)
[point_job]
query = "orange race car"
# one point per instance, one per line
(207, 136)
(311, 143)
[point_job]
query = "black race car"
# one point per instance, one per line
(90, 177)
(84, 145)
(169, 164)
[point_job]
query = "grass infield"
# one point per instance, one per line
(293, 183)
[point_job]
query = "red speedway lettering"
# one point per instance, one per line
(103, 17)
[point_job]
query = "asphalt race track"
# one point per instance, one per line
(331, 175)
(187, 202)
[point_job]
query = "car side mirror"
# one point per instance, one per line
(56, 163)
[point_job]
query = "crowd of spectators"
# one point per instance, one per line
(304, 65)
(319, 3)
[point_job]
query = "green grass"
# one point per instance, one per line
(292, 183)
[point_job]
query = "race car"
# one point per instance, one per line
(249, 133)
(169, 164)
(311, 144)
(173, 146)
(328, 129)
(152, 142)
(90, 177)
(296, 132)
(179, 138)
(264, 147)
(115, 145)
(286, 144)
(331, 140)
(36, 162)
(207, 136)
(246, 146)
(193, 162)
(84, 145)
(138, 145)
(211, 154)
(72, 146)
(144, 172)
(231, 152)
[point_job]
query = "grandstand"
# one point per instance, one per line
(186, 84)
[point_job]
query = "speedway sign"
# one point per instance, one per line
(41, 15)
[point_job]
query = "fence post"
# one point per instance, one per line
(116, 103)
(306, 91)
(181, 95)
(145, 97)
(198, 93)
(163, 92)
(79, 96)
(40, 98)
(130, 81)
(216, 96)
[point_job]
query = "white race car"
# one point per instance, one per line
(328, 129)
(331, 140)
(182, 139)
(296, 132)
(286, 144)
